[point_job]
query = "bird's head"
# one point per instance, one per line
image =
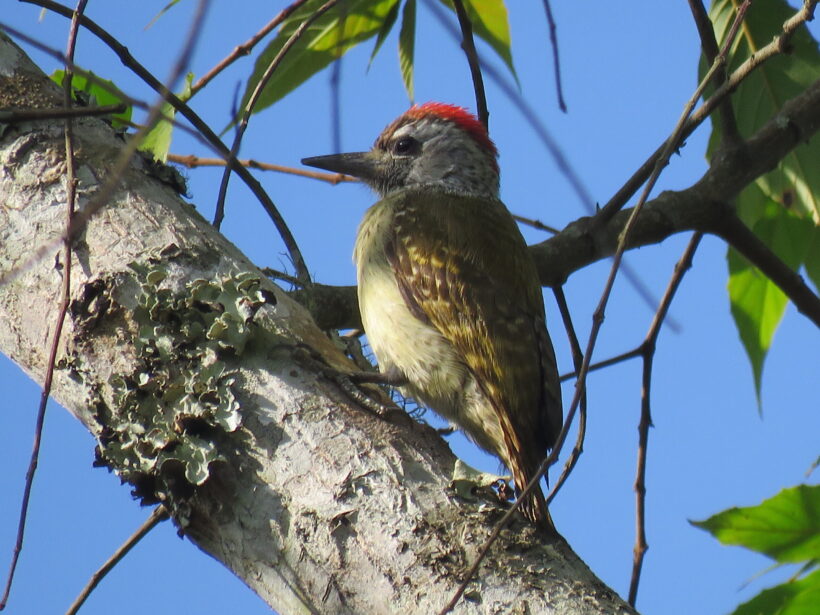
(433, 145)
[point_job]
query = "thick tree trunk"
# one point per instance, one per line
(202, 382)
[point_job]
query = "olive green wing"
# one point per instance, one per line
(462, 265)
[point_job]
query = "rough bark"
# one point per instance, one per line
(317, 504)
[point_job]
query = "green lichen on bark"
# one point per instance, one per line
(178, 400)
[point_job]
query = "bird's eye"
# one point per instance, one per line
(404, 145)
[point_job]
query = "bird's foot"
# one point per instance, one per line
(348, 381)
(392, 377)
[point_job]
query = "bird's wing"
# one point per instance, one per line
(462, 264)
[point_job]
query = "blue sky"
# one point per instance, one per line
(626, 79)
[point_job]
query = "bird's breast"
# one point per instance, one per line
(399, 339)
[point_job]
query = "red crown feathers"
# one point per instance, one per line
(466, 120)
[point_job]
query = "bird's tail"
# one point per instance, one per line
(534, 506)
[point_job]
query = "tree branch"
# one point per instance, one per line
(775, 47)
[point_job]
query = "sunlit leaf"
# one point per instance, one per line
(100, 92)
(757, 303)
(785, 527)
(799, 597)
(387, 26)
(407, 42)
(158, 139)
(490, 22)
(325, 40)
(792, 189)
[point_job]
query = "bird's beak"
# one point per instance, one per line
(363, 165)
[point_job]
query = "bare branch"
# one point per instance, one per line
(556, 64)
(191, 161)
(577, 360)
(775, 47)
(468, 45)
(245, 48)
(536, 224)
(12, 116)
(158, 515)
(647, 349)
(708, 43)
(624, 356)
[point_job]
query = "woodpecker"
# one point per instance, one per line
(448, 293)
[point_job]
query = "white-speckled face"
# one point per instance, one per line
(436, 152)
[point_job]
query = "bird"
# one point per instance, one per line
(448, 292)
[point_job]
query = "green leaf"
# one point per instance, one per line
(757, 304)
(325, 40)
(771, 206)
(101, 92)
(407, 43)
(799, 597)
(387, 25)
(490, 22)
(785, 527)
(158, 139)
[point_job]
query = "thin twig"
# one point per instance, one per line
(212, 140)
(710, 47)
(275, 274)
(158, 515)
(536, 224)
(191, 161)
(245, 48)
(298, 262)
(645, 422)
(61, 311)
(556, 63)
(625, 356)
(13, 116)
(336, 104)
(577, 359)
(468, 45)
(648, 354)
